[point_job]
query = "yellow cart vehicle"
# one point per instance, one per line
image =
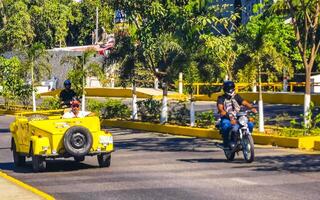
(45, 135)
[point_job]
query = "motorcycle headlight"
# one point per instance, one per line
(243, 120)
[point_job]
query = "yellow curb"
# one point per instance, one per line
(305, 142)
(27, 187)
(268, 97)
(9, 112)
(28, 112)
(317, 145)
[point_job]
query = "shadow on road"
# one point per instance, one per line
(290, 163)
(4, 130)
(52, 166)
(165, 145)
(203, 160)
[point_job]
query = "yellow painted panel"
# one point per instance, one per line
(272, 98)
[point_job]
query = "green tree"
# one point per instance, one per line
(36, 62)
(305, 16)
(224, 51)
(82, 66)
(84, 13)
(267, 43)
(16, 30)
(12, 81)
(50, 20)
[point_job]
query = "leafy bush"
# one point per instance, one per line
(205, 119)
(179, 114)
(149, 110)
(50, 103)
(109, 109)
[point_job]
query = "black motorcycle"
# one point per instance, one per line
(242, 138)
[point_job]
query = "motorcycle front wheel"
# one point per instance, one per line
(248, 148)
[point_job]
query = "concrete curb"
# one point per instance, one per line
(306, 142)
(27, 187)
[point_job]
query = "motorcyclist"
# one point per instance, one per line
(229, 105)
(67, 94)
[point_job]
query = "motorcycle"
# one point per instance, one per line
(242, 138)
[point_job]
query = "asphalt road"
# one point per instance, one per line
(150, 166)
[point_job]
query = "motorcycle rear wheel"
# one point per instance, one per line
(248, 148)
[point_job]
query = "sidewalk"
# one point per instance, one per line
(13, 189)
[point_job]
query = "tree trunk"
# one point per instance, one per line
(34, 105)
(3, 14)
(134, 101)
(192, 113)
(307, 96)
(180, 83)
(164, 108)
(261, 114)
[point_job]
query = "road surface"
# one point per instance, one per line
(153, 166)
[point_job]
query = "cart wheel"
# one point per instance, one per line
(18, 160)
(104, 160)
(38, 162)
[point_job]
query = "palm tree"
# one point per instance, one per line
(37, 63)
(81, 67)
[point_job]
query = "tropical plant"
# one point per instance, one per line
(50, 103)
(82, 67)
(109, 109)
(12, 81)
(305, 16)
(149, 110)
(205, 119)
(16, 30)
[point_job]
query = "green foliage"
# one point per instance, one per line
(149, 110)
(16, 30)
(205, 119)
(313, 121)
(81, 68)
(50, 103)
(179, 114)
(36, 62)
(224, 50)
(83, 25)
(109, 109)
(12, 80)
(191, 75)
(50, 20)
(267, 43)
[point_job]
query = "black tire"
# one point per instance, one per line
(230, 156)
(104, 160)
(79, 159)
(18, 160)
(38, 162)
(248, 148)
(77, 141)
